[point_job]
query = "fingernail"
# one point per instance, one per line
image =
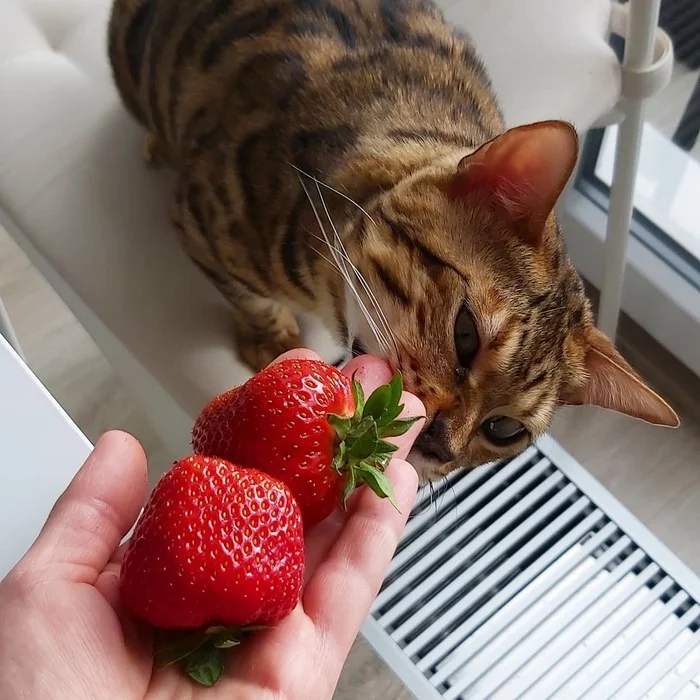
(370, 371)
(299, 354)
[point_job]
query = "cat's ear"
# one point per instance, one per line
(611, 383)
(522, 172)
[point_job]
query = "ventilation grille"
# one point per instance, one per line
(512, 582)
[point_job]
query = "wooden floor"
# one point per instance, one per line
(654, 472)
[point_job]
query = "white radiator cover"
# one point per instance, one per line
(527, 579)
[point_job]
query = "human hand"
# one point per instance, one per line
(63, 633)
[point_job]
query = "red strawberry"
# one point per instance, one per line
(216, 545)
(307, 424)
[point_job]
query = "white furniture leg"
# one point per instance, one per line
(640, 42)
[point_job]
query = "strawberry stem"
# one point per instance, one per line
(205, 665)
(199, 651)
(362, 454)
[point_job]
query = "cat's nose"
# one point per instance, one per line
(432, 442)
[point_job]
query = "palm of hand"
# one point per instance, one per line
(62, 633)
(97, 652)
(93, 652)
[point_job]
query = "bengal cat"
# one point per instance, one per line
(348, 158)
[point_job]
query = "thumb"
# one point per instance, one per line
(92, 515)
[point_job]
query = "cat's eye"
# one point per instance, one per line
(466, 337)
(502, 430)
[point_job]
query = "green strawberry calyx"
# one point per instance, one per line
(362, 453)
(200, 651)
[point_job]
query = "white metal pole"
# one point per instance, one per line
(639, 51)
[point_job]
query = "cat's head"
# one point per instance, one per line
(481, 309)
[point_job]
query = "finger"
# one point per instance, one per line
(339, 595)
(319, 539)
(412, 407)
(370, 371)
(298, 354)
(137, 635)
(107, 584)
(92, 515)
(119, 553)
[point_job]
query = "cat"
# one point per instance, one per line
(349, 159)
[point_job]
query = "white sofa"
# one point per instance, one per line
(77, 197)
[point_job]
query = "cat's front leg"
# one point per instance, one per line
(154, 152)
(264, 329)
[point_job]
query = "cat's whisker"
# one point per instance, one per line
(381, 340)
(342, 255)
(332, 189)
(454, 496)
(343, 251)
(364, 283)
(551, 310)
(434, 502)
(326, 258)
(375, 302)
